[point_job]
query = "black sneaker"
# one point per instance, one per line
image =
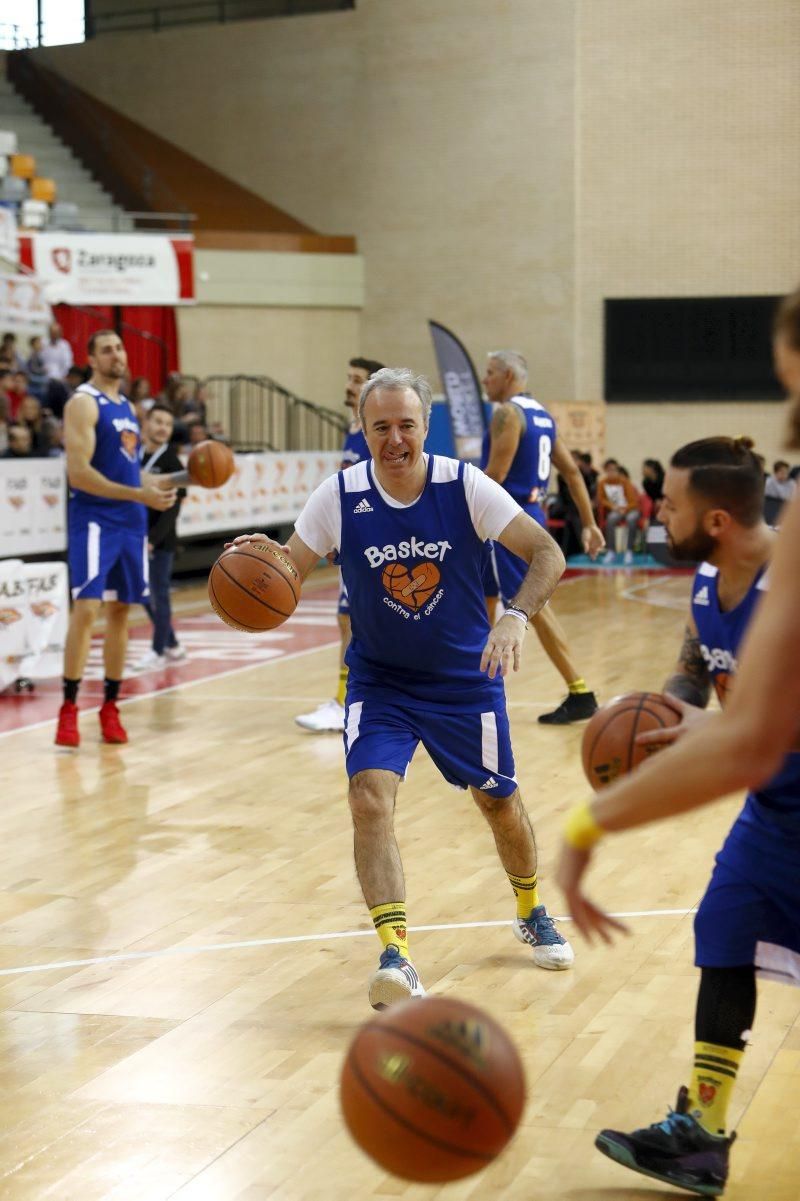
(678, 1151)
(576, 706)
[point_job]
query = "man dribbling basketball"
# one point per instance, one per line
(748, 917)
(409, 529)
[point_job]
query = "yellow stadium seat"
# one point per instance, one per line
(23, 166)
(43, 189)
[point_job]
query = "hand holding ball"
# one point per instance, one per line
(609, 746)
(254, 586)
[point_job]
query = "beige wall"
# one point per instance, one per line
(504, 164)
(305, 350)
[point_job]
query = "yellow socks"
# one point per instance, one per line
(390, 923)
(342, 690)
(713, 1078)
(578, 686)
(526, 893)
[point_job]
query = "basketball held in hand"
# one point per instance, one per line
(254, 586)
(609, 741)
(211, 464)
(432, 1089)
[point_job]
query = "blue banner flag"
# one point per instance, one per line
(462, 390)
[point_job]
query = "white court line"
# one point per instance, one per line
(156, 692)
(292, 938)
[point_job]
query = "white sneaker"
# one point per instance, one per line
(628, 558)
(175, 654)
(609, 557)
(395, 980)
(550, 949)
(150, 662)
(328, 717)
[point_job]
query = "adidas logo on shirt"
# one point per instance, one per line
(363, 506)
(701, 596)
(490, 783)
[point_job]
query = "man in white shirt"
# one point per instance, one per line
(56, 354)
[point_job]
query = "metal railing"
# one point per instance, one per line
(256, 413)
(205, 12)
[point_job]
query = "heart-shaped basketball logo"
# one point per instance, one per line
(411, 586)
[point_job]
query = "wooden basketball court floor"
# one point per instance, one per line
(184, 952)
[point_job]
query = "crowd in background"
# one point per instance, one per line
(37, 380)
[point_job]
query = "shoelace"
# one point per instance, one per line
(673, 1120)
(544, 929)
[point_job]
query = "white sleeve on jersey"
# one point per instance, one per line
(490, 506)
(320, 522)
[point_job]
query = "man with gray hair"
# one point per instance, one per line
(518, 450)
(410, 531)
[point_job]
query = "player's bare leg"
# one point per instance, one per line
(580, 703)
(76, 652)
(115, 646)
(380, 874)
(516, 846)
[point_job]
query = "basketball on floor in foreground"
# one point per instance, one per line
(254, 586)
(609, 746)
(432, 1089)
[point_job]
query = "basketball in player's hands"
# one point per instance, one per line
(211, 464)
(432, 1089)
(609, 746)
(254, 586)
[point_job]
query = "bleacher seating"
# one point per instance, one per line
(13, 189)
(23, 166)
(65, 215)
(43, 189)
(8, 143)
(34, 214)
(34, 197)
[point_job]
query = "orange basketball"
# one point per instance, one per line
(413, 585)
(609, 747)
(211, 464)
(432, 1089)
(254, 586)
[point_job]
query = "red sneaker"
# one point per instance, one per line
(67, 733)
(112, 728)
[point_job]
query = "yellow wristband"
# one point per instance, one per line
(581, 830)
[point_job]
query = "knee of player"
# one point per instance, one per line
(495, 806)
(371, 801)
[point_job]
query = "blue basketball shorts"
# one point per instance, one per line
(507, 569)
(108, 563)
(469, 749)
(751, 909)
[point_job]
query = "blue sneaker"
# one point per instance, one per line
(395, 980)
(550, 949)
(678, 1151)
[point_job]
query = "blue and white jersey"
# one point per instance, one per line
(721, 635)
(116, 456)
(355, 448)
(413, 576)
(529, 474)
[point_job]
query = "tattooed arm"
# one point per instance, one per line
(690, 682)
(504, 438)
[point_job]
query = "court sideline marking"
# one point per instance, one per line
(294, 938)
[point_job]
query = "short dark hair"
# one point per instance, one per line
(779, 463)
(100, 333)
(158, 407)
(609, 462)
(368, 365)
(727, 473)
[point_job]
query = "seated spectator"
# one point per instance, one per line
(30, 414)
(141, 397)
(52, 438)
(618, 509)
(57, 353)
(17, 392)
(197, 433)
(653, 482)
(3, 424)
(9, 353)
(562, 507)
(779, 486)
(19, 442)
(590, 475)
(59, 391)
(37, 375)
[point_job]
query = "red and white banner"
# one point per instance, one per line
(22, 302)
(34, 610)
(32, 506)
(85, 268)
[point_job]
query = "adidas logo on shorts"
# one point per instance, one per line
(490, 783)
(363, 506)
(701, 596)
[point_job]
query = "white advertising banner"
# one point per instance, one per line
(23, 303)
(34, 612)
(85, 268)
(8, 234)
(267, 489)
(32, 506)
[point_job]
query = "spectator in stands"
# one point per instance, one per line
(30, 415)
(17, 392)
(9, 354)
(618, 509)
(59, 391)
(57, 353)
(779, 485)
(198, 433)
(589, 473)
(6, 380)
(141, 397)
(653, 482)
(160, 458)
(562, 507)
(37, 373)
(53, 438)
(3, 423)
(19, 442)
